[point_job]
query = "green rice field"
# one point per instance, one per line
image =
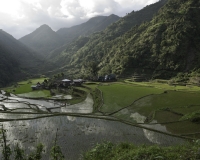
(177, 108)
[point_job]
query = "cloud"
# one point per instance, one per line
(21, 17)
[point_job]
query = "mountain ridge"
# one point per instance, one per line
(87, 28)
(97, 46)
(42, 40)
(16, 60)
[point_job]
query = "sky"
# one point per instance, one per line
(21, 17)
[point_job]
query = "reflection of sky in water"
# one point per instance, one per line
(63, 96)
(14, 116)
(25, 110)
(76, 135)
(16, 105)
(47, 104)
(83, 107)
(149, 134)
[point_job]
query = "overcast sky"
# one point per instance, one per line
(21, 17)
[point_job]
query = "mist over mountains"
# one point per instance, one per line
(161, 40)
(44, 40)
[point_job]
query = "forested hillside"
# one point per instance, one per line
(26, 57)
(100, 46)
(161, 47)
(18, 61)
(8, 67)
(160, 40)
(164, 46)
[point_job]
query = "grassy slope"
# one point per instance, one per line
(24, 89)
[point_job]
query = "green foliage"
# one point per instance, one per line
(109, 151)
(56, 152)
(100, 152)
(108, 48)
(6, 152)
(194, 117)
(161, 46)
(19, 153)
(37, 155)
(91, 69)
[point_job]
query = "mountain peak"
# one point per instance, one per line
(43, 39)
(113, 15)
(44, 27)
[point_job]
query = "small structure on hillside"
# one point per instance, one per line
(107, 78)
(110, 77)
(77, 82)
(66, 82)
(37, 86)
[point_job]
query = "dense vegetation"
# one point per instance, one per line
(168, 43)
(161, 40)
(161, 47)
(74, 33)
(98, 47)
(110, 151)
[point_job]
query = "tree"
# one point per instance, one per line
(92, 69)
(56, 152)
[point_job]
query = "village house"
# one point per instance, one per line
(37, 86)
(66, 82)
(77, 82)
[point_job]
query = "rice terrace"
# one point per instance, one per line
(153, 112)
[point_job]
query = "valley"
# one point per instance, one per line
(112, 86)
(146, 113)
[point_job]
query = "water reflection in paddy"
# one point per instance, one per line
(76, 135)
(135, 117)
(84, 107)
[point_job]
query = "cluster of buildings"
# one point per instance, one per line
(65, 83)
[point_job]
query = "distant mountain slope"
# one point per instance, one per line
(9, 67)
(97, 46)
(26, 57)
(95, 24)
(85, 29)
(43, 40)
(16, 60)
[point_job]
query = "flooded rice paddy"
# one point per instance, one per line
(29, 122)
